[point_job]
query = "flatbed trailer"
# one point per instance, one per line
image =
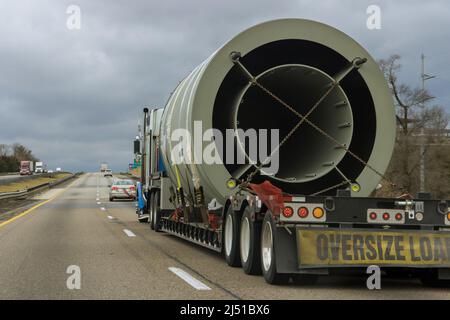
(300, 237)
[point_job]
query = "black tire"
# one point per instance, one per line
(157, 211)
(249, 243)
(268, 256)
(142, 219)
(430, 278)
(305, 279)
(150, 209)
(231, 238)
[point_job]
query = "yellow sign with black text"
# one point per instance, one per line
(360, 247)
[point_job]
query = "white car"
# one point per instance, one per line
(122, 189)
(108, 173)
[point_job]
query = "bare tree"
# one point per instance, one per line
(407, 100)
(413, 116)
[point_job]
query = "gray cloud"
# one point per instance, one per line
(74, 97)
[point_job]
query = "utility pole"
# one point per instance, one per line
(424, 77)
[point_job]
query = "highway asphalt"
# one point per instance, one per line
(75, 227)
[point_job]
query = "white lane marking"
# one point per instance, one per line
(129, 233)
(97, 199)
(110, 217)
(197, 284)
(102, 208)
(99, 203)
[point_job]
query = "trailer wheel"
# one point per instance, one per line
(150, 210)
(430, 278)
(268, 256)
(157, 211)
(231, 238)
(250, 237)
(142, 219)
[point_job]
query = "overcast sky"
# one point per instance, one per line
(74, 96)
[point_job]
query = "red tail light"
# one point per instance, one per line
(303, 212)
(386, 216)
(373, 215)
(288, 212)
(398, 216)
(114, 188)
(132, 188)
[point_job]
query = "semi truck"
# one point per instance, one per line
(26, 167)
(41, 167)
(103, 167)
(330, 105)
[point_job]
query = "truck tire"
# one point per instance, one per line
(150, 210)
(157, 211)
(430, 278)
(142, 219)
(231, 238)
(249, 243)
(268, 256)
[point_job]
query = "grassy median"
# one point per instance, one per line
(29, 183)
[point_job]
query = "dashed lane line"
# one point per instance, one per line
(197, 284)
(129, 233)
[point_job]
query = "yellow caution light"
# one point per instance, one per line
(355, 187)
(231, 184)
(448, 216)
(318, 213)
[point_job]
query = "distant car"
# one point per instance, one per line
(108, 173)
(122, 189)
(50, 171)
(58, 169)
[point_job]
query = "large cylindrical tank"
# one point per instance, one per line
(297, 60)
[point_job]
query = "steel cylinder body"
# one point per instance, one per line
(298, 61)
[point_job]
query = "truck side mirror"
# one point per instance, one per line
(137, 146)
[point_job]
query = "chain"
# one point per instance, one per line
(293, 130)
(303, 119)
(330, 188)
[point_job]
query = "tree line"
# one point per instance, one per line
(11, 155)
(419, 123)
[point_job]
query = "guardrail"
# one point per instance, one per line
(30, 191)
(15, 194)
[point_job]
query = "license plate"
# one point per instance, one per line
(323, 247)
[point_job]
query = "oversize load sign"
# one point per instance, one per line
(341, 247)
